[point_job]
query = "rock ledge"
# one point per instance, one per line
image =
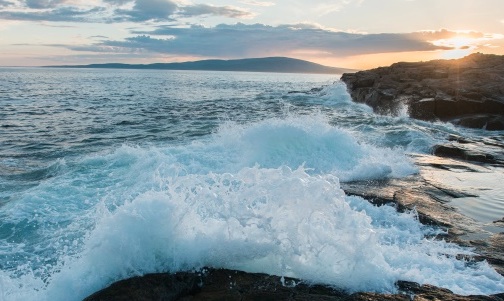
(468, 91)
(220, 284)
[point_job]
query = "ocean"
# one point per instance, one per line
(107, 174)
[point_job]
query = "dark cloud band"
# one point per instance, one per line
(141, 11)
(242, 40)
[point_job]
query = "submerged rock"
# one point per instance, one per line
(468, 91)
(221, 284)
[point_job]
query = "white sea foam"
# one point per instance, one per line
(300, 140)
(262, 197)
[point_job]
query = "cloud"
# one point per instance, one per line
(99, 37)
(205, 9)
(166, 10)
(241, 40)
(40, 4)
(63, 14)
(46, 24)
(144, 10)
(117, 2)
(258, 3)
(327, 8)
(448, 34)
(4, 3)
(112, 11)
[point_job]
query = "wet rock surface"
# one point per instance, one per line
(483, 150)
(468, 91)
(220, 284)
(436, 202)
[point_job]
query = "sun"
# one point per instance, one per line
(456, 53)
(460, 47)
(456, 42)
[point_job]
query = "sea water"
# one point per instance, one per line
(108, 174)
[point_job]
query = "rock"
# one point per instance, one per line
(160, 286)
(468, 91)
(492, 251)
(433, 201)
(481, 150)
(214, 284)
(311, 91)
(453, 151)
(429, 292)
(489, 122)
(221, 284)
(415, 193)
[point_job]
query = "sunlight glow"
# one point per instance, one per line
(456, 53)
(462, 46)
(457, 42)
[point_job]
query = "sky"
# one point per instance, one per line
(357, 34)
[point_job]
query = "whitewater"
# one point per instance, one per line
(108, 174)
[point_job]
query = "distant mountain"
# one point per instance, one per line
(267, 64)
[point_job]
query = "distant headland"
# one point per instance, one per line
(267, 64)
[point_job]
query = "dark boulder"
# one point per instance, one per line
(220, 284)
(161, 286)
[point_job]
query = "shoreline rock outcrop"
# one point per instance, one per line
(221, 284)
(467, 91)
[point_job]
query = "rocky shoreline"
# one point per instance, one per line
(432, 203)
(467, 92)
(430, 200)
